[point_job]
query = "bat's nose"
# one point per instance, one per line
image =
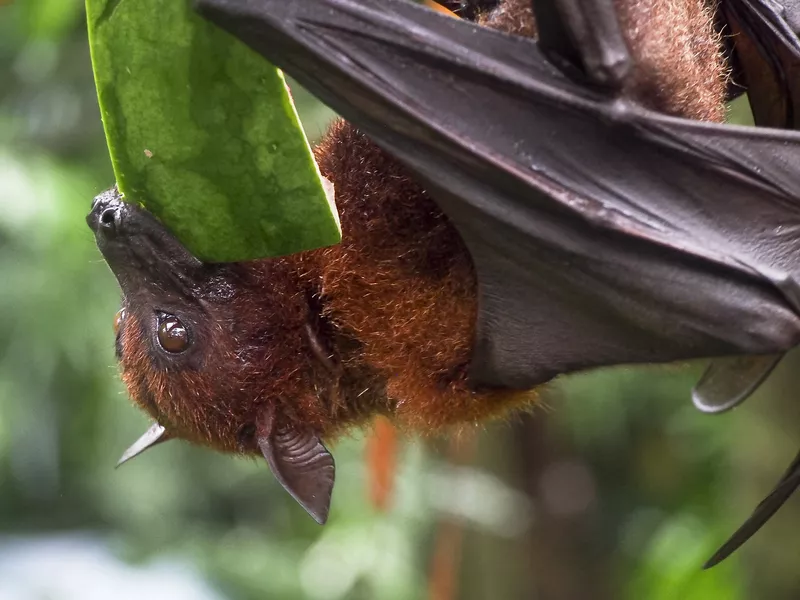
(106, 214)
(110, 219)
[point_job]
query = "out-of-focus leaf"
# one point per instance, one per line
(49, 19)
(203, 132)
(668, 567)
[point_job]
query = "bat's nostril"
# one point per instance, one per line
(109, 219)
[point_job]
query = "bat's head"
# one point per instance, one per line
(224, 355)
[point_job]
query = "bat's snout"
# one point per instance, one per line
(106, 215)
(139, 249)
(121, 226)
(110, 216)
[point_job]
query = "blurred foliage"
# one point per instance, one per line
(615, 489)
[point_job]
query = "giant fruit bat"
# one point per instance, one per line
(554, 220)
(601, 232)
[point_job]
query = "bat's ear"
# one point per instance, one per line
(300, 462)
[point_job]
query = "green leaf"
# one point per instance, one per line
(203, 132)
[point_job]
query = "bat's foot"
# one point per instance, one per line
(729, 381)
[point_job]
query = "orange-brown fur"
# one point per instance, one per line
(265, 358)
(679, 69)
(398, 295)
(402, 281)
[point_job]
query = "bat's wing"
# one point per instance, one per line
(765, 34)
(602, 233)
(762, 38)
(765, 51)
(570, 30)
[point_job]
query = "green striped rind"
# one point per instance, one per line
(202, 132)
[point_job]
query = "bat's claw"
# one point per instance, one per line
(727, 382)
(152, 437)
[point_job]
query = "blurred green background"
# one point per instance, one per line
(616, 489)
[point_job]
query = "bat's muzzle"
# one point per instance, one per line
(139, 249)
(108, 215)
(117, 222)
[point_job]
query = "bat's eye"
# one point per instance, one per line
(172, 335)
(118, 320)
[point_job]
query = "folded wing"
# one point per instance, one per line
(602, 233)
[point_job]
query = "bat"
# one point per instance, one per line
(556, 221)
(552, 216)
(386, 72)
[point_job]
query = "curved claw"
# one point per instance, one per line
(152, 437)
(785, 487)
(728, 381)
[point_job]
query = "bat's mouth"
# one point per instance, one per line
(140, 251)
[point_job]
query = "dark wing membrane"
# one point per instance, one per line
(766, 59)
(765, 34)
(602, 233)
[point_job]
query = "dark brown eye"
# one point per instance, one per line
(118, 320)
(172, 335)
